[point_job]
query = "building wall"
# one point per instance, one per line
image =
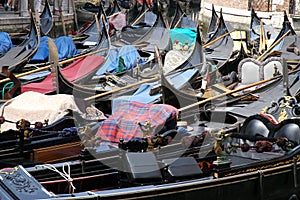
(239, 4)
(238, 12)
(258, 5)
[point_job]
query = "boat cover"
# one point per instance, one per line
(5, 43)
(142, 95)
(118, 21)
(36, 107)
(65, 46)
(124, 123)
(127, 53)
(183, 35)
(73, 72)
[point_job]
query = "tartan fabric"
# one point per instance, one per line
(124, 123)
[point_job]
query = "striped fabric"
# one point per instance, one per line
(126, 120)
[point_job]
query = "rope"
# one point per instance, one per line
(64, 133)
(64, 174)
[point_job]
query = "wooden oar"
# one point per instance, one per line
(16, 34)
(121, 88)
(75, 15)
(179, 20)
(61, 63)
(98, 26)
(184, 69)
(79, 38)
(115, 14)
(49, 66)
(217, 39)
(136, 21)
(62, 17)
(273, 45)
(232, 91)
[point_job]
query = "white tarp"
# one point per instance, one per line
(36, 107)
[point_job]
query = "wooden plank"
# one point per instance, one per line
(57, 152)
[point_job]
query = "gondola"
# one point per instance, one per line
(76, 71)
(116, 18)
(69, 48)
(264, 72)
(82, 90)
(146, 36)
(181, 20)
(57, 141)
(219, 48)
(115, 9)
(223, 162)
(18, 56)
(277, 45)
(141, 27)
(85, 86)
(87, 12)
(158, 35)
(132, 13)
(213, 24)
(139, 15)
(46, 19)
(91, 34)
(46, 129)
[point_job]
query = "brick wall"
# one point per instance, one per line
(239, 4)
(259, 5)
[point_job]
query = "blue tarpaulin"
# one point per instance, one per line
(179, 80)
(43, 50)
(128, 54)
(5, 43)
(65, 46)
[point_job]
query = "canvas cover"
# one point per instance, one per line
(65, 46)
(124, 123)
(142, 95)
(5, 43)
(36, 107)
(127, 53)
(76, 70)
(183, 35)
(118, 21)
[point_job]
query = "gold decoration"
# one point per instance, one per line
(282, 116)
(147, 129)
(276, 72)
(264, 110)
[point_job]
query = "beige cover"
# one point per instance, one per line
(36, 107)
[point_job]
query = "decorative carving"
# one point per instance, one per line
(147, 129)
(18, 181)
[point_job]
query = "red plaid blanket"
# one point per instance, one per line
(124, 123)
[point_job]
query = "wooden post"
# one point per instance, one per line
(63, 22)
(75, 15)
